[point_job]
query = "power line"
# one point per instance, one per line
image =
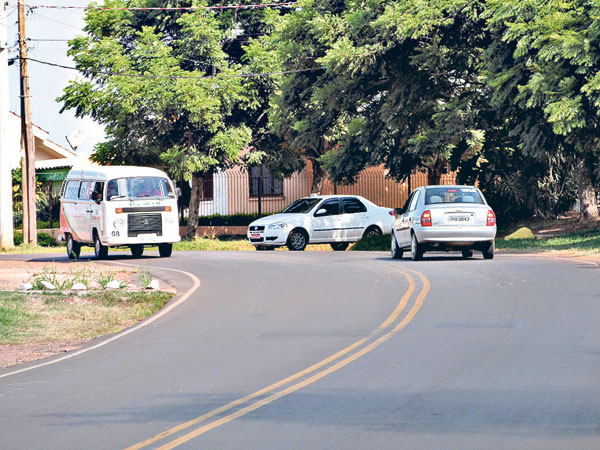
(172, 8)
(174, 77)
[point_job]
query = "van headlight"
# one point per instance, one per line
(118, 223)
(278, 226)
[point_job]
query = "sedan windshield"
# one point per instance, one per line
(139, 187)
(301, 206)
(452, 194)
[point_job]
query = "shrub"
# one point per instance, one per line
(230, 220)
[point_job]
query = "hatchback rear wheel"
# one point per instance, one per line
(416, 249)
(489, 250)
(397, 252)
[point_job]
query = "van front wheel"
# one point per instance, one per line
(165, 250)
(100, 251)
(73, 247)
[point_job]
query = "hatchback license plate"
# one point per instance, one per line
(459, 218)
(254, 235)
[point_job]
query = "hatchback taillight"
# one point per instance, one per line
(392, 212)
(426, 219)
(491, 218)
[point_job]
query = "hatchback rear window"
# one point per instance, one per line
(452, 195)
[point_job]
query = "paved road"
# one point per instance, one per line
(282, 350)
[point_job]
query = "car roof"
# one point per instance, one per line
(451, 186)
(109, 172)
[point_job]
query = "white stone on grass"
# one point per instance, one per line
(47, 286)
(79, 287)
(114, 284)
(154, 285)
(26, 287)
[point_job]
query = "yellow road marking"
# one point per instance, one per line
(347, 360)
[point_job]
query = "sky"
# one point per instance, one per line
(46, 82)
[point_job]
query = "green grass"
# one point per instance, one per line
(586, 241)
(228, 243)
(379, 242)
(52, 317)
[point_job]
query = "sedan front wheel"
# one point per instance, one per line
(297, 241)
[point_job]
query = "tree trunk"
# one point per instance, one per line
(194, 205)
(318, 178)
(435, 171)
(588, 206)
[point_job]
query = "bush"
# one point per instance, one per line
(230, 220)
(44, 239)
(379, 242)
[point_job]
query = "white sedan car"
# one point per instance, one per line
(444, 218)
(328, 219)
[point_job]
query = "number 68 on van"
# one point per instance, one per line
(120, 206)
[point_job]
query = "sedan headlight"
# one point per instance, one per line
(278, 226)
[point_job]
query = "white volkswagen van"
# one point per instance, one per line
(118, 206)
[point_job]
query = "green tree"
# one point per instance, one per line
(166, 114)
(543, 64)
(392, 83)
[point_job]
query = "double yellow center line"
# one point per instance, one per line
(313, 373)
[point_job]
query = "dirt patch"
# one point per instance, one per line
(11, 355)
(567, 223)
(14, 273)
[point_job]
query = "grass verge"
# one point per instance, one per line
(52, 317)
(380, 242)
(582, 241)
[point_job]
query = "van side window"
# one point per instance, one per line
(86, 189)
(99, 189)
(72, 190)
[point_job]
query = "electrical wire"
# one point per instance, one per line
(167, 8)
(174, 77)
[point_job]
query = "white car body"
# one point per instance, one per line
(89, 216)
(356, 217)
(444, 218)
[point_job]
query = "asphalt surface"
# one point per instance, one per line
(333, 350)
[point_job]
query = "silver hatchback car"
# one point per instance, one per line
(444, 218)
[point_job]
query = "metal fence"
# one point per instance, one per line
(235, 191)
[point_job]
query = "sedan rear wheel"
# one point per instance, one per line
(339, 246)
(372, 231)
(297, 241)
(397, 252)
(416, 249)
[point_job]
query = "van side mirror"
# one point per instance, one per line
(178, 192)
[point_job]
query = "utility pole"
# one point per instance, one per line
(6, 204)
(28, 165)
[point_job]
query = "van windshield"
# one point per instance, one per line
(138, 187)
